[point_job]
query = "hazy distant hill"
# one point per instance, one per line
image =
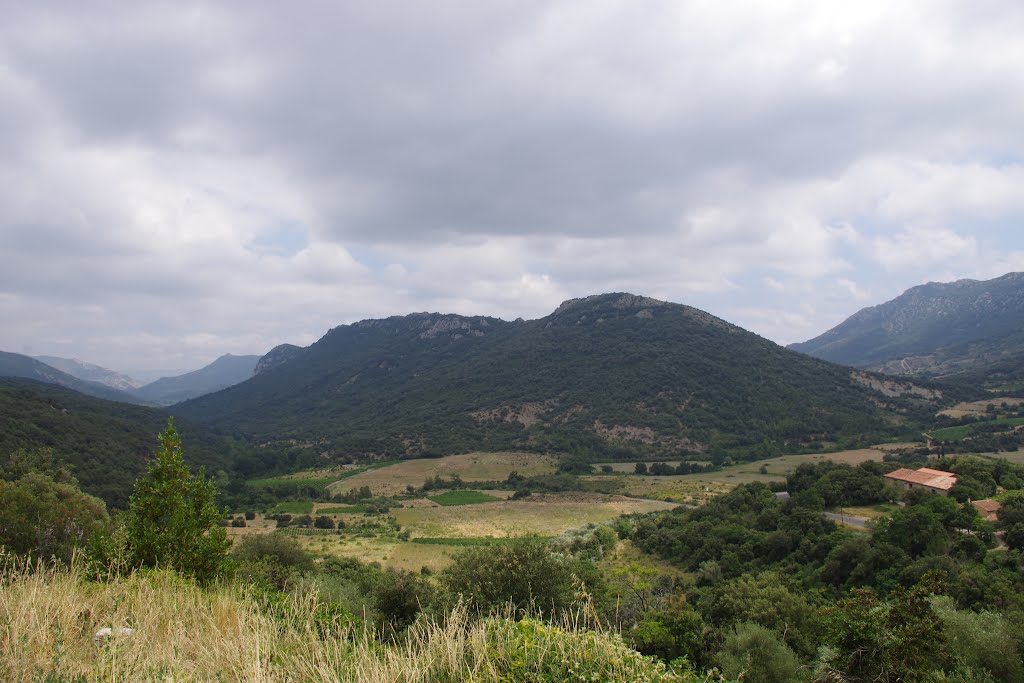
(613, 373)
(223, 372)
(91, 373)
(968, 329)
(107, 443)
(17, 365)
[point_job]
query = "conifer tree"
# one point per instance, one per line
(172, 515)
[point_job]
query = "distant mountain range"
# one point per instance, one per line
(101, 382)
(615, 374)
(968, 330)
(91, 373)
(18, 365)
(223, 372)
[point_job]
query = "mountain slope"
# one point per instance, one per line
(967, 329)
(91, 373)
(17, 365)
(223, 372)
(607, 374)
(106, 442)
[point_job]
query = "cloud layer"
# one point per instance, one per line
(179, 180)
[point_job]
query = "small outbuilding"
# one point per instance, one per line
(988, 509)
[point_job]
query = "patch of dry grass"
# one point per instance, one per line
(979, 408)
(542, 514)
(698, 488)
(186, 633)
(393, 479)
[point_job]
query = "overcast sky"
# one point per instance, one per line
(181, 180)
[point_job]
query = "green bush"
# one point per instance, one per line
(523, 573)
(756, 654)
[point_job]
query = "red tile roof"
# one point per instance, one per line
(934, 479)
(987, 505)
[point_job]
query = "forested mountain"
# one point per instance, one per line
(969, 329)
(615, 374)
(223, 372)
(17, 365)
(107, 443)
(91, 372)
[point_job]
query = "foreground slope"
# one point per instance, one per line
(610, 374)
(966, 329)
(107, 443)
(223, 372)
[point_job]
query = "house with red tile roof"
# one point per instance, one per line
(933, 481)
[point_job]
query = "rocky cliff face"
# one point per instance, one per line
(277, 356)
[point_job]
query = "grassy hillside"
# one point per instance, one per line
(227, 633)
(617, 375)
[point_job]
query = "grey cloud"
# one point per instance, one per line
(504, 154)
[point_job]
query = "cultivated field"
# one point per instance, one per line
(696, 488)
(980, 408)
(542, 514)
(432, 532)
(393, 479)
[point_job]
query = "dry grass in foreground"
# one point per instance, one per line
(228, 633)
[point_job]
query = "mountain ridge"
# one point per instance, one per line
(92, 372)
(968, 329)
(610, 373)
(26, 367)
(225, 371)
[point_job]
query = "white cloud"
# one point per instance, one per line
(178, 181)
(921, 248)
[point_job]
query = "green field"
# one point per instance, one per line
(960, 432)
(462, 498)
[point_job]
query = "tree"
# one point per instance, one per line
(173, 517)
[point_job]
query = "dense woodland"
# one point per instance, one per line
(768, 587)
(614, 376)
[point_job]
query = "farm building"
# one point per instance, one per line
(935, 481)
(988, 509)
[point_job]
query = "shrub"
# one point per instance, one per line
(250, 515)
(758, 655)
(522, 572)
(275, 548)
(238, 521)
(324, 522)
(47, 518)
